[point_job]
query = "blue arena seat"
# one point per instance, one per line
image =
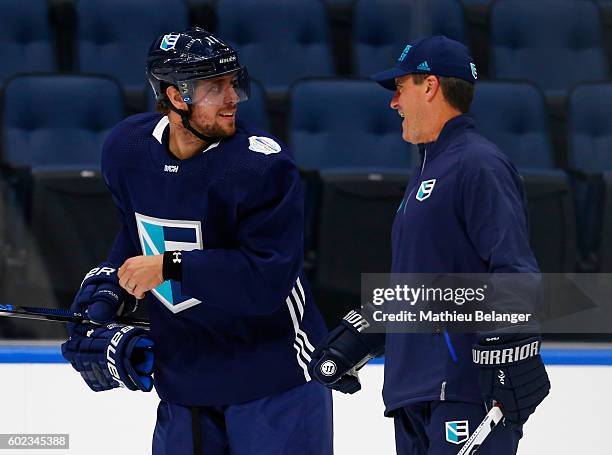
(381, 28)
(279, 41)
(114, 35)
(25, 38)
(58, 119)
(345, 123)
(591, 127)
(554, 43)
(590, 146)
(513, 116)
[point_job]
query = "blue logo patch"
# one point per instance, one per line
(424, 66)
(404, 53)
(457, 431)
(157, 236)
(169, 41)
(425, 189)
(474, 71)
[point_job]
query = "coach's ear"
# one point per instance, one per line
(175, 98)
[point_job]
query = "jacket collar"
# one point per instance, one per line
(451, 129)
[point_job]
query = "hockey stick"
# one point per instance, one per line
(484, 429)
(57, 314)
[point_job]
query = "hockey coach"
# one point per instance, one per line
(463, 211)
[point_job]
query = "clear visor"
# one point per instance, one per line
(222, 90)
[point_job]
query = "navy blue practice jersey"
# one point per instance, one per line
(463, 212)
(241, 324)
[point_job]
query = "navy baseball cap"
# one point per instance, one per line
(436, 55)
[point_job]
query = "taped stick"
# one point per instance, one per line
(59, 315)
(472, 445)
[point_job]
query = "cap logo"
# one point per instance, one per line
(169, 41)
(424, 66)
(404, 53)
(474, 72)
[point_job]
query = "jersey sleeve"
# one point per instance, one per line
(123, 246)
(492, 200)
(255, 277)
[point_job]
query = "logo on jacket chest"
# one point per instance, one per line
(158, 235)
(425, 189)
(170, 168)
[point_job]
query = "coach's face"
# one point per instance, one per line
(410, 100)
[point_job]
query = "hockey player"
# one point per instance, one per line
(462, 212)
(212, 239)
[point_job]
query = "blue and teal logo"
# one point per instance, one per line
(457, 431)
(425, 189)
(424, 66)
(404, 53)
(158, 236)
(169, 41)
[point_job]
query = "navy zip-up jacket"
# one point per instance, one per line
(463, 212)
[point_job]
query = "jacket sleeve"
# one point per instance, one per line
(255, 277)
(494, 209)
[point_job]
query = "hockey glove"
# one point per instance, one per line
(337, 359)
(111, 356)
(512, 374)
(100, 296)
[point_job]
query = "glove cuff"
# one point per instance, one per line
(506, 354)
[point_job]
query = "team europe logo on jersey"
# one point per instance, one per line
(425, 189)
(157, 236)
(457, 431)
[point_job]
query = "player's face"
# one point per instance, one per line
(214, 106)
(408, 100)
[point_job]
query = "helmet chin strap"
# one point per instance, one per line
(185, 116)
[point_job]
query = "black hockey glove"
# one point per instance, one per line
(100, 297)
(512, 374)
(111, 356)
(343, 352)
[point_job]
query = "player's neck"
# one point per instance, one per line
(182, 144)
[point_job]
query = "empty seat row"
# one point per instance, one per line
(63, 119)
(555, 44)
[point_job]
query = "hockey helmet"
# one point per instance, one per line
(182, 58)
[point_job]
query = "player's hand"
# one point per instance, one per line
(100, 297)
(111, 356)
(512, 374)
(342, 353)
(140, 274)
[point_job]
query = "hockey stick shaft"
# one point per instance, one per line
(492, 418)
(59, 315)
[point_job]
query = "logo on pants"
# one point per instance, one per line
(457, 431)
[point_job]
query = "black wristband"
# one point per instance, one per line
(172, 268)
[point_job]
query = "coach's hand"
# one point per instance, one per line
(140, 274)
(512, 374)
